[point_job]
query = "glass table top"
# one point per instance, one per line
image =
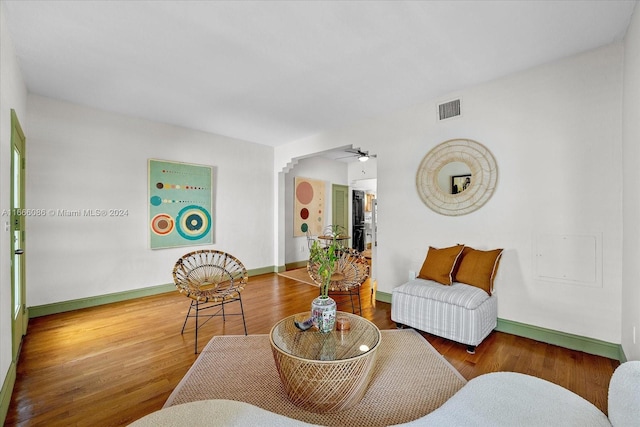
(358, 337)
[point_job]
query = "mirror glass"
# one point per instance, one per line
(454, 177)
(457, 177)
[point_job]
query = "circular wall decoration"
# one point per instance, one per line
(193, 222)
(304, 193)
(483, 176)
(162, 224)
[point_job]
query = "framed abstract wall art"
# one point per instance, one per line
(308, 206)
(180, 207)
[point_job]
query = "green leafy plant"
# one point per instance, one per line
(325, 258)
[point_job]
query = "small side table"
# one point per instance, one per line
(325, 372)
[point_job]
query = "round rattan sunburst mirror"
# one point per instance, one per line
(483, 176)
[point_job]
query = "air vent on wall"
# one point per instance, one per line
(449, 109)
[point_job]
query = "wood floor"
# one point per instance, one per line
(110, 365)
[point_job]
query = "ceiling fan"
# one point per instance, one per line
(363, 156)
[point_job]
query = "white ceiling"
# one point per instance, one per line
(273, 72)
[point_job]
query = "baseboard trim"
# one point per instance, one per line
(262, 270)
(562, 339)
(550, 336)
(383, 297)
(77, 304)
(6, 392)
(296, 264)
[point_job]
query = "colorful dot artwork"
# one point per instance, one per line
(180, 207)
(193, 222)
(304, 192)
(157, 201)
(162, 224)
(309, 197)
(169, 186)
(178, 171)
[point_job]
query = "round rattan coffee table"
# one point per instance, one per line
(325, 372)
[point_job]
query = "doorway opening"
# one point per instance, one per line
(335, 168)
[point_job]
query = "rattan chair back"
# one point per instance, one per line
(351, 270)
(209, 275)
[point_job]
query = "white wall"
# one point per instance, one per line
(13, 95)
(82, 158)
(359, 172)
(555, 132)
(631, 136)
(330, 171)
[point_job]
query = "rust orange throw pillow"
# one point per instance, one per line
(439, 264)
(478, 268)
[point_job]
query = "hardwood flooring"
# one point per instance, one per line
(110, 365)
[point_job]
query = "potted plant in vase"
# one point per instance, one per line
(321, 266)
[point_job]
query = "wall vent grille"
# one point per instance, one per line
(449, 109)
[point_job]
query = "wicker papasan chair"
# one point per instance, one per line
(211, 279)
(351, 270)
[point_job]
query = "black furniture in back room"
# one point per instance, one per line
(357, 222)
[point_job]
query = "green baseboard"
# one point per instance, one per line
(262, 270)
(77, 304)
(63, 306)
(563, 339)
(383, 297)
(550, 336)
(6, 391)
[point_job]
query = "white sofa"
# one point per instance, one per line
(497, 399)
(459, 312)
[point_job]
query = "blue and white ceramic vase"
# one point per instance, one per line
(323, 313)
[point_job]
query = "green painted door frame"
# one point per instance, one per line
(19, 314)
(340, 205)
